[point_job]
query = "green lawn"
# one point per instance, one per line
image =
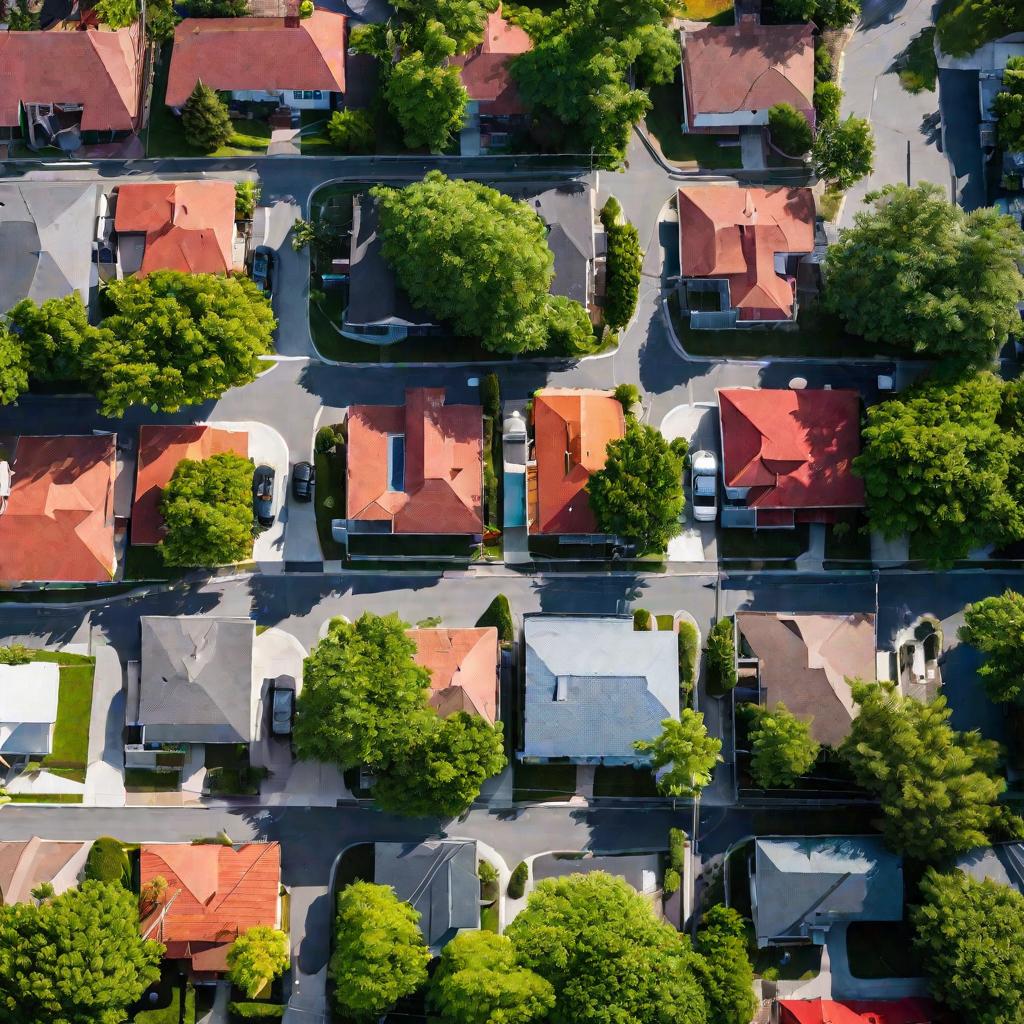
(622, 780)
(74, 708)
(759, 544)
(665, 622)
(143, 780)
(144, 562)
(918, 68)
(663, 122)
(718, 12)
(541, 782)
(43, 798)
(489, 918)
(170, 1012)
(228, 770)
(828, 205)
(329, 500)
(881, 949)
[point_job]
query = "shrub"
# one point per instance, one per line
(247, 194)
(351, 130)
(253, 1011)
(517, 883)
(15, 654)
(721, 657)
(491, 511)
(306, 9)
(622, 273)
(822, 64)
(107, 862)
(827, 99)
(641, 620)
(790, 130)
(487, 871)
(671, 883)
(611, 211)
(627, 395)
(688, 639)
(325, 440)
(676, 848)
(490, 396)
(499, 614)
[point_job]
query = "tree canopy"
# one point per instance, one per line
(205, 119)
(780, 745)
(596, 941)
(968, 936)
(463, 20)
(207, 510)
(257, 957)
(686, 751)
(480, 980)
(995, 626)
(824, 13)
(117, 13)
(428, 101)
(1008, 106)
(639, 492)
(918, 272)
(727, 972)
(351, 130)
(77, 958)
(379, 955)
(13, 367)
(55, 335)
(938, 788)
(844, 151)
(964, 25)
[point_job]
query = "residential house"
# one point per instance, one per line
(46, 237)
(805, 661)
(572, 429)
(740, 250)
(464, 666)
(68, 89)
(802, 885)
(788, 456)
(1002, 863)
(416, 469)
(28, 708)
(438, 878)
(27, 863)
(734, 74)
(294, 62)
(178, 225)
(161, 448)
(214, 893)
(593, 687)
(912, 1010)
(58, 525)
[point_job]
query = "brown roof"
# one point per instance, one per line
(735, 233)
(264, 54)
(805, 662)
(485, 69)
(59, 523)
(214, 893)
(443, 485)
(189, 225)
(572, 428)
(23, 865)
(98, 68)
(463, 666)
(747, 67)
(161, 448)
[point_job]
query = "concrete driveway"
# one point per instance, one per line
(696, 542)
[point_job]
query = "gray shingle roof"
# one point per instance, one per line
(617, 686)
(806, 884)
(196, 682)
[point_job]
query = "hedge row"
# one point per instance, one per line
(499, 615)
(517, 883)
(622, 268)
(252, 1011)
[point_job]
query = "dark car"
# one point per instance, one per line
(263, 495)
(283, 705)
(303, 478)
(263, 269)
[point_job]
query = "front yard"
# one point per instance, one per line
(70, 753)
(663, 122)
(542, 782)
(881, 949)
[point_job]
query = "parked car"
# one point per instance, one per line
(263, 495)
(704, 486)
(283, 708)
(303, 478)
(263, 269)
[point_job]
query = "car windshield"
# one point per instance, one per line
(704, 485)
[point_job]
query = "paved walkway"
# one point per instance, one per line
(811, 560)
(104, 776)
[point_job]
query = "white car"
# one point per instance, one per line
(704, 486)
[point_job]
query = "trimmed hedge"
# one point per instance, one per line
(490, 396)
(107, 862)
(671, 882)
(499, 614)
(721, 657)
(688, 639)
(492, 513)
(252, 1011)
(641, 620)
(622, 272)
(517, 883)
(676, 849)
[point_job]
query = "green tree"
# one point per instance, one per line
(639, 492)
(379, 955)
(480, 981)
(160, 20)
(827, 99)
(117, 13)
(596, 941)
(995, 626)
(686, 751)
(968, 935)
(836, 13)
(258, 956)
(568, 327)
(935, 464)
(77, 958)
(13, 367)
(964, 25)
(440, 774)
(1008, 105)
(781, 746)
(351, 130)
(938, 788)
(20, 17)
(790, 130)
(55, 335)
(177, 339)
(363, 699)
(428, 101)
(844, 151)
(722, 656)
(622, 267)
(463, 20)
(728, 974)
(659, 55)
(207, 510)
(205, 119)
(217, 8)
(795, 10)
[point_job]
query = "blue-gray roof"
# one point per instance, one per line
(594, 686)
(1003, 863)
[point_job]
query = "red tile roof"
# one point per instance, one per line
(734, 233)
(189, 225)
(485, 69)
(263, 54)
(572, 428)
(98, 68)
(793, 449)
(443, 491)
(59, 523)
(218, 892)
(878, 1011)
(463, 666)
(748, 67)
(161, 448)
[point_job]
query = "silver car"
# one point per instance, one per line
(704, 486)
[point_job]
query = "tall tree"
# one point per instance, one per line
(177, 339)
(728, 975)
(463, 20)
(639, 492)
(258, 956)
(596, 941)
(844, 151)
(77, 958)
(379, 955)
(968, 935)
(13, 367)
(995, 626)
(55, 335)
(117, 13)
(205, 119)
(683, 755)
(781, 746)
(207, 510)
(938, 788)
(481, 981)
(918, 272)
(427, 100)
(363, 699)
